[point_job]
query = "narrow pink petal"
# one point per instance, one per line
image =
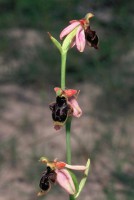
(68, 29)
(80, 39)
(77, 112)
(65, 180)
(76, 167)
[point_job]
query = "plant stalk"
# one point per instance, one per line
(68, 123)
(63, 70)
(68, 140)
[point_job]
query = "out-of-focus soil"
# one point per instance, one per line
(27, 133)
(27, 118)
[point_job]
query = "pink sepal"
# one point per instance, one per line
(80, 39)
(68, 29)
(77, 112)
(65, 180)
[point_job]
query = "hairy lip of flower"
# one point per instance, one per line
(60, 111)
(91, 37)
(65, 106)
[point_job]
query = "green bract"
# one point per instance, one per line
(74, 180)
(66, 43)
(56, 43)
(83, 180)
(68, 40)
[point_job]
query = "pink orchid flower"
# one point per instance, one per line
(83, 33)
(57, 173)
(66, 105)
(71, 95)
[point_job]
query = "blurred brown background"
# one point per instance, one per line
(30, 68)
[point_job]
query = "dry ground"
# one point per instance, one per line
(26, 134)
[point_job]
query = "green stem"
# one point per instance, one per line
(68, 140)
(63, 69)
(68, 123)
(72, 197)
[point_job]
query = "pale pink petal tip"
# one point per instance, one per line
(65, 181)
(76, 167)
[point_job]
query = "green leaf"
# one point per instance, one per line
(68, 40)
(83, 180)
(55, 42)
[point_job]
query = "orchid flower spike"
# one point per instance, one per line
(57, 172)
(84, 35)
(66, 105)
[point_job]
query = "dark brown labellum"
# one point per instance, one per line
(47, 177)
(60, 110)
(44, 183)
(91, 37)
